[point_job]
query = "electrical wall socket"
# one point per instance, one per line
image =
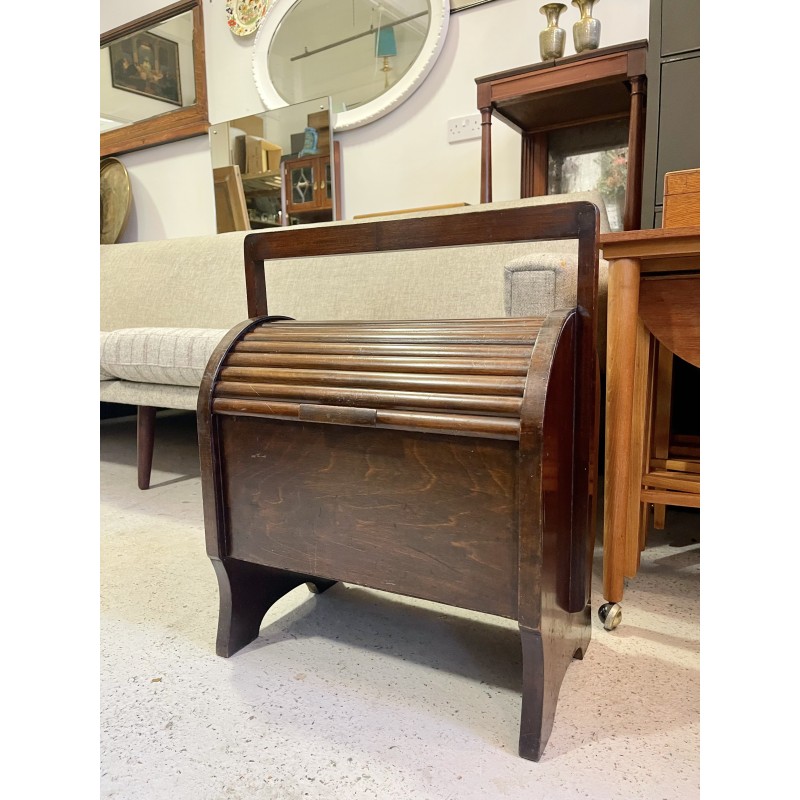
(462, 128)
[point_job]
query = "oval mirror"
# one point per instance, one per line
(368, 56)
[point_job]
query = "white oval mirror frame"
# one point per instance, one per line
(373, 109)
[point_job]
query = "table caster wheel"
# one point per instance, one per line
(610, 615)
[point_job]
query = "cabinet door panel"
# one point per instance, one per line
(301, 183)
(679, 119)
(680, 26)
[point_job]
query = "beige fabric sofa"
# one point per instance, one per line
(165, 305)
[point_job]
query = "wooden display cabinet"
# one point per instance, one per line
(311, 187)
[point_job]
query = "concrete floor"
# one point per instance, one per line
(363, 694)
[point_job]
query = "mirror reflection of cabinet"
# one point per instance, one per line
(311, 188)
(268, 148)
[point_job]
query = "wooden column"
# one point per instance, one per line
(623, 301)
(633, 188)
(486, 154)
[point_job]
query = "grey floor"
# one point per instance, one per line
(362, 694)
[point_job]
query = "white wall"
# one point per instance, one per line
(402, 160)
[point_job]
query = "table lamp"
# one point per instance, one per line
(386, 46)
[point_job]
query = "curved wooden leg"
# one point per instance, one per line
(545, 660)
(145, 440)
(537, 713)
(246, 592)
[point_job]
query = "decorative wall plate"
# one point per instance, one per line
(115, 199)
(244, 16)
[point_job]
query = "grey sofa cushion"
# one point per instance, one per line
(104, 376)
(538, 283)
(158, 395)
(159, 355)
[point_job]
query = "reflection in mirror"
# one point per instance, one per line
(147, 73)
(591, 157)
(368, 60)
(282, 165)
(152, 79)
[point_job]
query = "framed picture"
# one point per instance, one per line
(147, 64)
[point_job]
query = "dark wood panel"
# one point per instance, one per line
(410, 513)
(562, 108)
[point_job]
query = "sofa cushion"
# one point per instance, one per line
(158, 395)
(540, 282)
(191, 282)
(159, 355)
(104, 376)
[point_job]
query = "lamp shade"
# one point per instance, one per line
(386, 44)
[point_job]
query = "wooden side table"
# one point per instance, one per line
(653, 296)
(571, 92)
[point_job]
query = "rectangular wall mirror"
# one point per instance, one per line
(286, 162)
(153, 80)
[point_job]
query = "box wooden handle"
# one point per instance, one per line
(337, 415)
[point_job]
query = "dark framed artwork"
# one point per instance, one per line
(147, 64)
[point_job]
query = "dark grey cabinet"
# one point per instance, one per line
(672, 132)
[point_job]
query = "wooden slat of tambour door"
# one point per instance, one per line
(380, 363)
(502, 332)
(406, 324)
(376, 398)
(450, 423)
(423, 382)
(402, 324)
(449, 349)
(419, 336)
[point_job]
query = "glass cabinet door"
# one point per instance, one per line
(328, 184)
(591, 157)
(301, 180)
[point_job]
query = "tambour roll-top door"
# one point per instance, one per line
(462, 377)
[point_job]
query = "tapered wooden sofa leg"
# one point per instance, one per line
(145, 440)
